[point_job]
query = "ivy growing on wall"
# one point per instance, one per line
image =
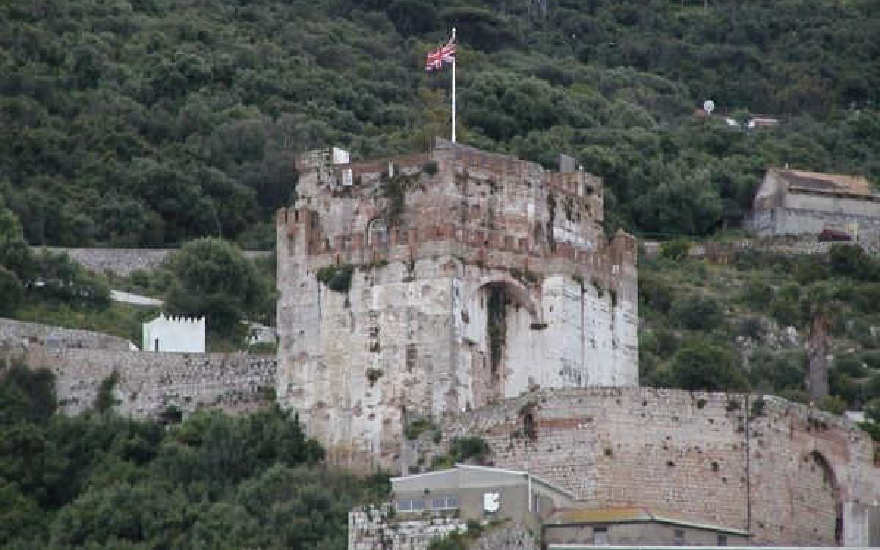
(336, 277)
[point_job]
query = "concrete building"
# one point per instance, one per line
(440, 503)
(421, 286)
(171, 333)
(794, 202)
(436, 504)
(633, 526)
(480, 493)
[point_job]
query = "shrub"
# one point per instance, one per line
(750, 327)
(655, 293)
(697, 312)
(705, 365)
(851, 366)
(779, 371)
(757, 295)
(785, 307)
(852, 261)
(105, 400)
(842, 385)
(10, 290)
(871, 358)
(337, 278)
(417, 427)
(798, 396)
(468, 448)
(213, 278)
(833, 404)
(675, 250)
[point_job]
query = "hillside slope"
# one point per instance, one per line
(153, 121)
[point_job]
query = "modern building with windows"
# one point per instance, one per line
(633, 526)
(436, 504)
(479, 493)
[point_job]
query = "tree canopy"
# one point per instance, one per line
(152, 122)
(213, 278)
(213, 481)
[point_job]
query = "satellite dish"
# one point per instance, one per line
(709, 106)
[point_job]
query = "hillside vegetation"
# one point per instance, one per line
(149, 122)
(745, 325)
(100, 481)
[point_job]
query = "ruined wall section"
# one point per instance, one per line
(20, 335)
(434, 241)
(150, 383)
(122, 261)
(784, 471)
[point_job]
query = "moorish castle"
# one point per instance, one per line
(428, 297)
(417, 287)
(477, 294)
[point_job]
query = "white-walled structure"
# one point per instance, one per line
(171, 333)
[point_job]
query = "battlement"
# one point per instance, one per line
(467, 277)
(477, 203)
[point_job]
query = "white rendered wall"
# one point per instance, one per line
(180, 334)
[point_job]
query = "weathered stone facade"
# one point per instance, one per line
(794, 202)
(148, 383)
(19, 335)
(122, 261)
(475, 277)
(786, 473)
(375, 528)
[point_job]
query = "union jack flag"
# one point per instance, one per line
(443, 54)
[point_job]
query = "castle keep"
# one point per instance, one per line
(420, 286)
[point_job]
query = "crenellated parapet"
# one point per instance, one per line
(465, 277)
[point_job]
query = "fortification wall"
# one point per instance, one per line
(19, 335)
(122, 261)
(379, 529)
(149, 383)
(786, 472)
(476, 277)
(724, 252)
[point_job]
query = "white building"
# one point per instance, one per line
(170, 333)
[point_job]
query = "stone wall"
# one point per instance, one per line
(725, 251)
(122, 261)
(785, 472)
(475, 280)
(377, 529)
(20, 335)
(149, 383)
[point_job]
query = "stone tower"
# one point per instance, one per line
(422, 285)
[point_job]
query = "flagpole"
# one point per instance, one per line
(453, 87)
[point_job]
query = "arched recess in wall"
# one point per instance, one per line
(377, 233)
(817, 461)
(528, 420)
(494, 301)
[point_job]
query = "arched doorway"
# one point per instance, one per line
(817, 506)
(497, 306)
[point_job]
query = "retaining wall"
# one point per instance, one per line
(788, 473)
(149, 383)
(19, 335)
(122, 261)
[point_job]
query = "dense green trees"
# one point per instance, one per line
(213, 481)
(211, 277)
(687, 339)
(153, 122)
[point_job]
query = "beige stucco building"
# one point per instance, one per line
(796, 202)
